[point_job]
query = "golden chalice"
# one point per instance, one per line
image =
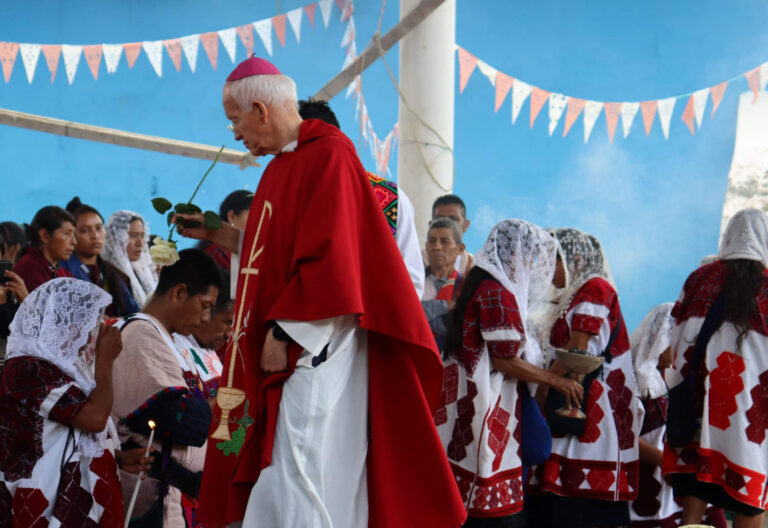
(227, 398)
(579, 365)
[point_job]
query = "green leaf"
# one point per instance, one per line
(194, 209)
(170, 217)
(160, 204)
(183, 208)
(212, 220)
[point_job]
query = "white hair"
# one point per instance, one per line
(272, 90)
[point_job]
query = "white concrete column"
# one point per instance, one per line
(427, 63)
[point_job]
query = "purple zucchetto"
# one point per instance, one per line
(253, 66)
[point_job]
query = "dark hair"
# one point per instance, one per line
(223, 300)
(11, 234)
(317, 109)
(76, 208)
(450, 199)
(742, 285)
(194, 269)
(237, 202)
(455, 317)
(444, 222)
(50, 218)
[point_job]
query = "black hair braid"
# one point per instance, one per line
(743, 283)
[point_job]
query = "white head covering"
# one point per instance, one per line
(142, 273)
(522, 257)
(648, 342)
(746, 237)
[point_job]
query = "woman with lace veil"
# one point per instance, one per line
(726, 462)
(590, 475)
(127, 248)
(490, 356)
(56, 439)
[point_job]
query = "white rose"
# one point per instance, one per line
(163, 253)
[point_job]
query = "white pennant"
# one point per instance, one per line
(229, 39)
(351, 56)
(520, 92)
(112, 54)
(154, 51)
(325, 10)
(71, 56)
(264, 30)
(557, 103)
(294, 18)
(487, 70)
(699, 104)
(763, 75)
(592, 110)
(30, 53)
(190, 44)
(348, 33)
(666, 107)
(628, 113)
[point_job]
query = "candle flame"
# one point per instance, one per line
(151, 424)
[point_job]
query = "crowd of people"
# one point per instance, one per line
(309, 364)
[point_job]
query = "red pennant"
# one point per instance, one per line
(612, 112)
(716, 93)
(52, 52)
(8, 53)
(210, 42)
(538, 98)
(278, 22)
(93, 58)
(246, 37)
(173, 47)
(132, 50)
(688, 115)
(348, 11)
(340, 4)
(310, 11)
(503, 83)
(467, 64)
(575, 106)
(648, 109)
(753, 79)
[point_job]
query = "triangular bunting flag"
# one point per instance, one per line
(538, 98)
(666, 107)
(349, 59)
(246, 37)
(520, 92)
(173, 47)
(310, 11)
(591, 111)
(264, 30)
(294, 19)
(154, 51)
(349, 34)
(648, 109)
(688, 116)
(190, 44)
(753, 79)
(352, 88)
(557, 103)
(763, 75)
(112, 54)
(132, 50)
(325, 10)
(93, 58)
(210, 42)
(8, 53)
(346, 13)
(229, 40)
(52, 52)
(575, 106)
(612, 111)
(699, 104)
(467, 63)
(30, 54)
(628, 112)
(71, 60)
(487, 70)
(503, 84)
(717, 93)
(278, 22)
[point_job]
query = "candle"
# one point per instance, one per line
(128, 513)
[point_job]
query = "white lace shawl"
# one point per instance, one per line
(746, 237)
(648, 342)
(142, 273)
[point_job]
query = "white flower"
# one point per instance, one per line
(163, 252)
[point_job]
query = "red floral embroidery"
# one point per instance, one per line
(107, 492)
(601, 479)
(726, 384)
(73, 503)
(450, 392)
(29, 504)
(594, 414)
(462, 428)
(498, 434)
(647, 503)
(758, 413)
(621, 398)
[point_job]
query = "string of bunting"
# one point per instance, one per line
(174, 47)
(573, 107)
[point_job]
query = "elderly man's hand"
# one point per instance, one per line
(228, 236)
(274, 355)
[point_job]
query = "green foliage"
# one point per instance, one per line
(212, 220)
(233, 446)
(160, 204)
